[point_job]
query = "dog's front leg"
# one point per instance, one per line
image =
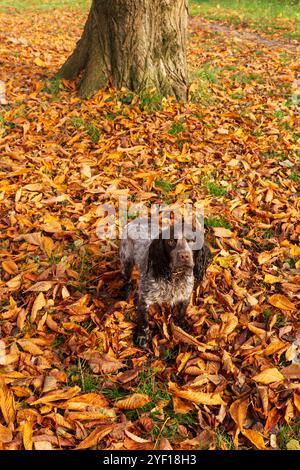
(142, 332)
(181, 308)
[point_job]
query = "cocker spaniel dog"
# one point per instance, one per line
(169, 269)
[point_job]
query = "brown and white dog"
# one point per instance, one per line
(168, 268)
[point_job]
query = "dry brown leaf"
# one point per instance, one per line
(27, 435)
(41, 286)
(255, 437)
(137, 400)
(292, 371)
(238, 412)
(281, 301)
(229, 323)
(222, 232)
(5, 434)
(95, 437)
(10, 266)
(59, 395)
(104, 363)
(268, 376)
(196, 397)
(7, 403)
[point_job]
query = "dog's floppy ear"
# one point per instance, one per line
(158, 259)
(202, 259)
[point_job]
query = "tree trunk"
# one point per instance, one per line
(138, 44)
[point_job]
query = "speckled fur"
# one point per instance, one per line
(173, 286)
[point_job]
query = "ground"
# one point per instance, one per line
(70, 375)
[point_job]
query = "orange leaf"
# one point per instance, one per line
(27, 435)
(10, 266)
(269, 376)
(197, 397)
(238, 412)
(38, 304)
(95, 437)
(255, 437)
(7, 403)
(137, 400)
(5, 434)
(281, 301)
(59, 395)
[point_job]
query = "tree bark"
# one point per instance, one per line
(137, 44)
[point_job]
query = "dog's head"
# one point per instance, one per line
(169, 255)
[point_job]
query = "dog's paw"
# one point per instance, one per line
(184, 324)
(142, 337)
(125, 291)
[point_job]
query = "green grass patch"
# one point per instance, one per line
(163, 184)
(289, 435)
(216, 222)
(214, 189)
(76, 122)
(93, 132)
(224, 440)
(44, 4)
(176, 128)
(268, 16)
(53, 86)
(202, 78)
(295, 177)
(150, 101)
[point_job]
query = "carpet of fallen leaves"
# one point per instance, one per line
(70, 375)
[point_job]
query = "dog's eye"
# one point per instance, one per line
(171, 243)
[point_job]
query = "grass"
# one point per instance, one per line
(288, 433)
(295, 177)
(224, 441)
(268, 16)
(176, 128)
(43, 4)
(216, 222)
(214, 189)
(202, 78)
(163, 184)
(93, 132)
(53, 86)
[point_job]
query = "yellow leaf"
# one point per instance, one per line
(269, 376)
(38, 304)
(180, 188)
(295, 251)
(255, 437)
(15, 282)
(27, 435)
(270, 279)
(47, 244)
(222, 232)
(10, 267)
(39, 62)
(7, 403)
(197, 397)
(5, 434)
(238, 412)
(137, 400)
(59, 395)
(30, 347)
(281, 301)
(229, 323)
(95, 437)
(273, 347)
